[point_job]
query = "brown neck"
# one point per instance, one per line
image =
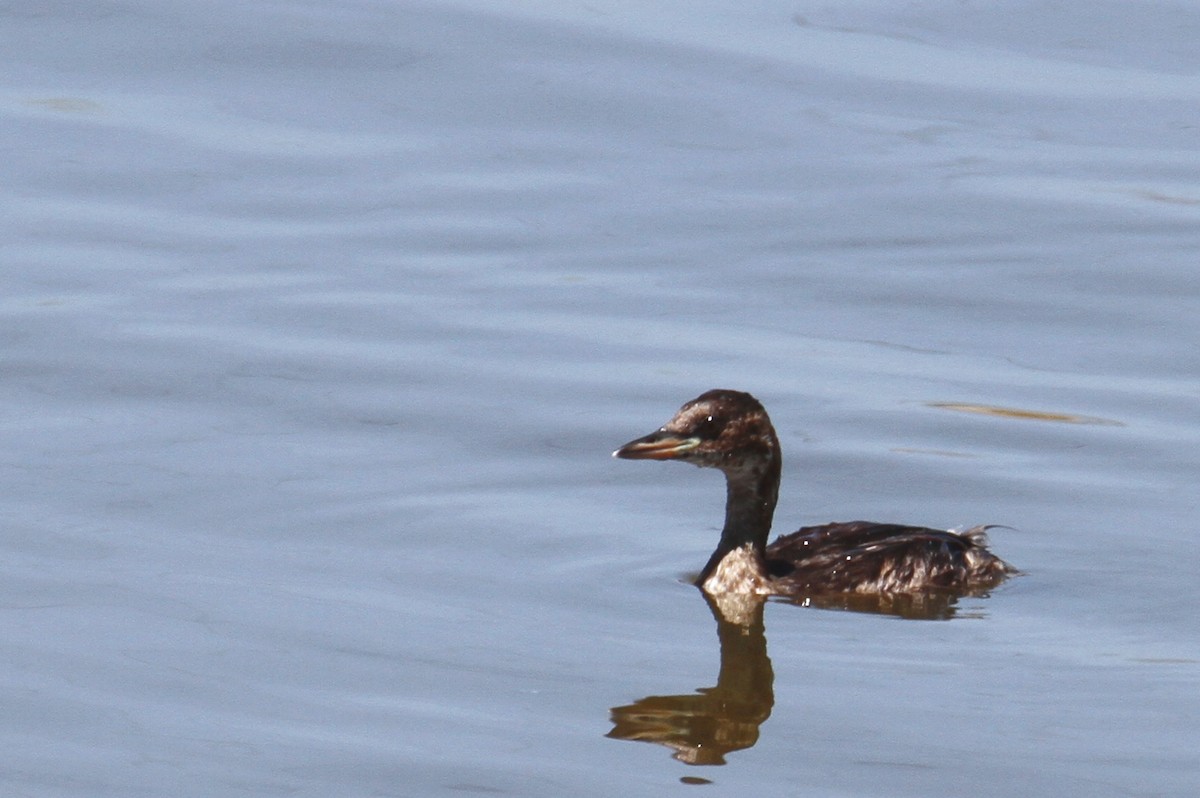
(751, 493)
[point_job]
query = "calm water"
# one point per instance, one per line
(320, 320)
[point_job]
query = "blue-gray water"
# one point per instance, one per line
(320, 320)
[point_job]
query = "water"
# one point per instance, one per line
(320, 321)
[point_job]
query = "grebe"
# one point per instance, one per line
(730, 430)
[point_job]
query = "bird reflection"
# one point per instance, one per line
(702, 727)
(930, 605)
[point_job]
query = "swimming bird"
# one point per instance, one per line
(730, 431)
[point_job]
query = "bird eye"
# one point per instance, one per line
(709, 428)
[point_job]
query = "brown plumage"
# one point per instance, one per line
(731, 431)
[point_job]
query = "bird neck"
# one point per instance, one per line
(752, 491)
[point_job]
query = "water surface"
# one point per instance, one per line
(321, 320)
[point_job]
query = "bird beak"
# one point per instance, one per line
(660, 445)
